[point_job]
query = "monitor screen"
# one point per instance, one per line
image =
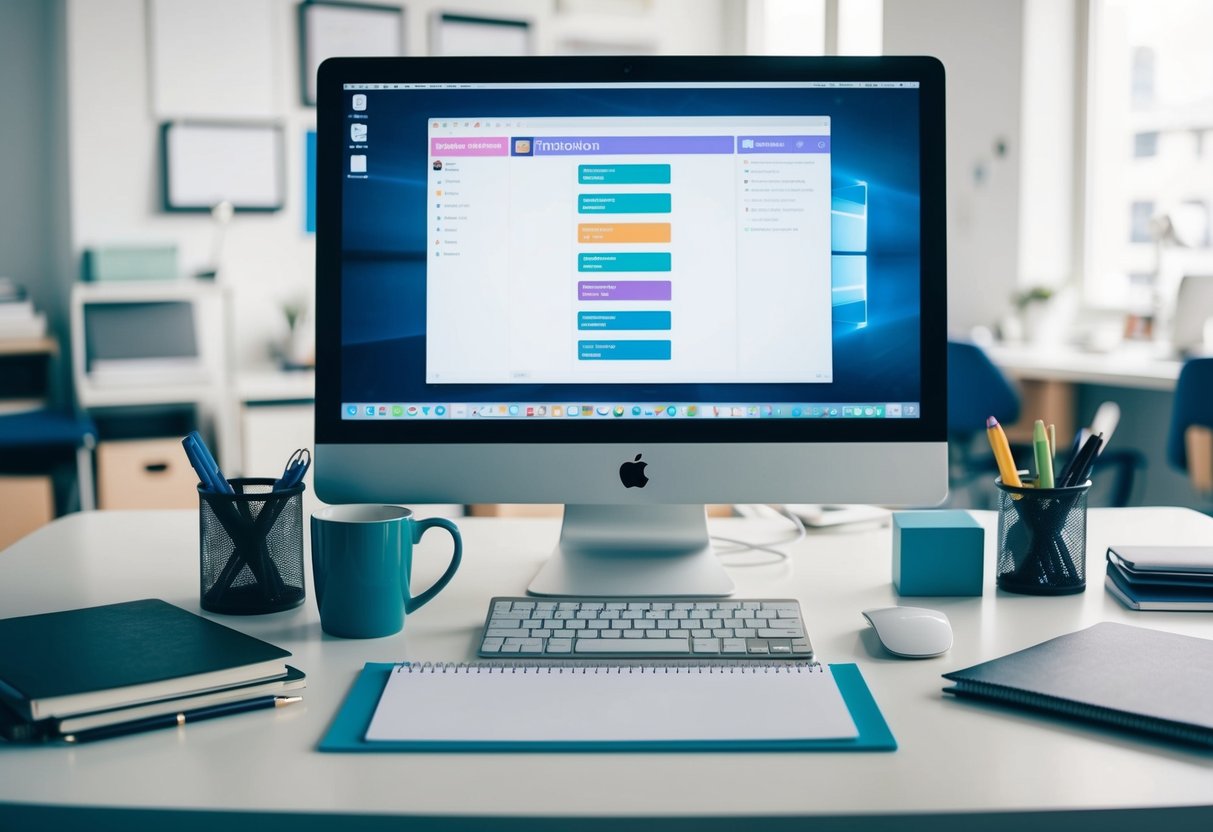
(626, 254)
(630, 251)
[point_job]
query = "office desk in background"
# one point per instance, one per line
(959, 763)
(1066, 385)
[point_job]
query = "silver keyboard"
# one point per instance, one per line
(624, 628)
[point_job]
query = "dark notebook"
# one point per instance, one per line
(64, 663)
(1128, 677)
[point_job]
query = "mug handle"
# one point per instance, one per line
(419, 528)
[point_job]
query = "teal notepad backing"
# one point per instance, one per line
(349, 726)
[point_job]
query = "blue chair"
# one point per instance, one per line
(977, 389)
(34, 439)
(1193, 407)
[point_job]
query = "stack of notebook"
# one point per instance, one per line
(1161, 577)
(64, 674)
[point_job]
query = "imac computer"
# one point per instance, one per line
(633, 286)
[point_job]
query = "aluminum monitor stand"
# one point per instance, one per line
(650, 550)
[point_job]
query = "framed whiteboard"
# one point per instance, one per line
(212, 59)
(461, 34)
(345, 30)
(208, 162)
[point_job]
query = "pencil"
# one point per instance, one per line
(1002, 453)
(1044, 460)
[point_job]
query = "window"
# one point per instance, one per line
(1149, 181)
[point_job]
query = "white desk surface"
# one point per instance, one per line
(956, 759)
(1142, 366)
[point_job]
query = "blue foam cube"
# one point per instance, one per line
(937, 553)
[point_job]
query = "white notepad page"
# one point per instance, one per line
(616, 704)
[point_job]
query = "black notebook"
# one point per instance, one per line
(64, 663)
(1127, 677)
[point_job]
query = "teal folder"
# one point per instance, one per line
(348, 729)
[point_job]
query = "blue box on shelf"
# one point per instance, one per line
(937, 553)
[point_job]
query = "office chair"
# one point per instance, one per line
(977, 389)
(1190, 440)
(37, 440)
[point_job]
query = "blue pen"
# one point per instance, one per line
(218, 481)
(205, 476)
(296, 467)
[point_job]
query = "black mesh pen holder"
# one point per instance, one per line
(1042, 539)
(251, 548)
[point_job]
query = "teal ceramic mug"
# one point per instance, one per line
(362, 560)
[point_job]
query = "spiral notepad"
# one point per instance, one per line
(519, 703)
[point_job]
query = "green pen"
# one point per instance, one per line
(1044, 459)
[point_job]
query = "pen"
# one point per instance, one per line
(204, 464)
(1052, 444)
(1044, 461)
(196, 462)
(1106, 419)
(138, 726)
(1086, 460)
(1002, 453)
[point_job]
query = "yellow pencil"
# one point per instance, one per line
(1002, 453)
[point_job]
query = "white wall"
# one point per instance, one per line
(113, 140)
(980, 43)
(33, 176)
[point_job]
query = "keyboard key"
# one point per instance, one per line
(667, 624)
(610, 633)
(733, 645)
(541, 633)
(779, 645)
(722, 632)
(654, 633)
(757, 646)
(586, 633)
(706, 645)
(504, 623)
(701, 633)
(802, 648)
(654, 645)
(560, 645)
(644, 624)
(492, 645)
(501, 633)
(781, 632)
(621, 624)
(633, 634)
(531, 645)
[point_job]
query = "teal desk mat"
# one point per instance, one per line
(349, 726)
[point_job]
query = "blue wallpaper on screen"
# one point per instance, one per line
(874, 138)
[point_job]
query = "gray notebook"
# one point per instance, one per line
(1127, 677)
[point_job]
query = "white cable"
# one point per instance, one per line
(769, 546)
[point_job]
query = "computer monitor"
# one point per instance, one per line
(633, 286)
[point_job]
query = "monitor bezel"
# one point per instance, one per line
(334, 73)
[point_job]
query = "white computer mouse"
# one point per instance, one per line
(911, 632)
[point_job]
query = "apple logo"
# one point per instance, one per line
(632, 475)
